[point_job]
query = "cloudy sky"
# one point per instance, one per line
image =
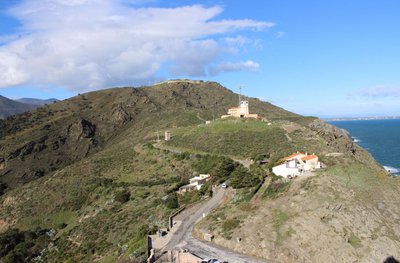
(323, 58)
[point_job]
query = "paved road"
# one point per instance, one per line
(184, 238)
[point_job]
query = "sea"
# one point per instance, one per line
(380, 137)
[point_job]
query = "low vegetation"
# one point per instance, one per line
(23, 246)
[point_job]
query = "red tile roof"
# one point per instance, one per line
(309, 157)
(292, 156)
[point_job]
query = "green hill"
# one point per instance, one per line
(86, 168)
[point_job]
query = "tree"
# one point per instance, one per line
(242, 177)
(224, 169)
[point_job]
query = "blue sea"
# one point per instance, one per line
(380, 137)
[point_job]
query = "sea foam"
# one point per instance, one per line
(391, 169)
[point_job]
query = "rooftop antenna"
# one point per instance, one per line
(240, 92)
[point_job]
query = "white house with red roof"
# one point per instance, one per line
(195, 183)
(296, 164)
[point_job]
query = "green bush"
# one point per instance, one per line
(182, 156)
(172, 202)
(122, 196)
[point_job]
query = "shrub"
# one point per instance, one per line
(172, 202)
(182, 156)
(122, 196)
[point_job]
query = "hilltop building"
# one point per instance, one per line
(242, 111)
(195, 183)
(297, 164)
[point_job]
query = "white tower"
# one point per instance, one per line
(244, 108)
(243, 104)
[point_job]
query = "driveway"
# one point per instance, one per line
(184, 239)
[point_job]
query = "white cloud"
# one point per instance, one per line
(91, 44)
(248, 65)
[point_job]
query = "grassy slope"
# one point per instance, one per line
(242, 138)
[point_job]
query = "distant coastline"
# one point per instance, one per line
(362, 118)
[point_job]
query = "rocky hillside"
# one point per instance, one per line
(63, 133)
(62, 166)
(83, 174)
(10, 107)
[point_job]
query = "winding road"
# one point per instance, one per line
(184, 239)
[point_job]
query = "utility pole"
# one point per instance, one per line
(158, 137)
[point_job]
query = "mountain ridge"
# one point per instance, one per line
(10, 107)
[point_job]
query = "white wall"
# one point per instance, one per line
(284, 171)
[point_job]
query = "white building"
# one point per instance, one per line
(195, 183)
(242, 111)
(296, 164)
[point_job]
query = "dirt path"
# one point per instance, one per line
(184, 239)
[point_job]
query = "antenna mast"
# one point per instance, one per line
(240, 93)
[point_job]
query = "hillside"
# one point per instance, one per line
(63, 164)
(85, 168)
(10, 107)
(348, 207)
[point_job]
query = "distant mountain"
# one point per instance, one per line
(11, 107)
(39, 102)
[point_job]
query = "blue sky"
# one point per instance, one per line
(321, 58)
